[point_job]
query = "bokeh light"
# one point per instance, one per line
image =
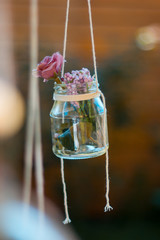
(148, 37)
(12, 110)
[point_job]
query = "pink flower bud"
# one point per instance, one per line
(49, 66)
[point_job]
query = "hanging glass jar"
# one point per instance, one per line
(77, 126)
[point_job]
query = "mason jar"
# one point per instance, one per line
(77, 124)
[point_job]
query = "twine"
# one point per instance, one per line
(107, 207)
(80, 98)
(67, 219)
(92, 40)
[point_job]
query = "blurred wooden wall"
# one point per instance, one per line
(115, 24)
(134, 146)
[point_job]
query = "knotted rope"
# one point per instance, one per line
(107, 207)
(67, 219)
(80, 98)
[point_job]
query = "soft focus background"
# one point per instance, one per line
(127, 39)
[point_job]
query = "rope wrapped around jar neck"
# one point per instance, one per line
(78, 97)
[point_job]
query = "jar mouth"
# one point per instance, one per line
(75, 89)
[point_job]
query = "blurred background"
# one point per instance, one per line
(127, 40)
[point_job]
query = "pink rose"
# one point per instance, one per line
(49, 66)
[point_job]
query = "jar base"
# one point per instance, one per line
(90, 152)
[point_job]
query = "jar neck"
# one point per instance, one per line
(75, 89)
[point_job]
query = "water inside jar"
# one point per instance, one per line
(77, 137)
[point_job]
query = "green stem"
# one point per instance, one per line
(82, 108)
(89, 108)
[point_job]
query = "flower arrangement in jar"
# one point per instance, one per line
(77, 113)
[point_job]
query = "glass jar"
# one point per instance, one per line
(77, 126)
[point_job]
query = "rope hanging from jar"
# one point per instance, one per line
(80, 98)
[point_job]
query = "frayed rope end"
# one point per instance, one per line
(66, 221)
(107, 208)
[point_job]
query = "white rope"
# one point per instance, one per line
(33, 122)
(107, 207)
(79, 98)
(67, 219)
(75, 135)
(65, 37)
(93, 45)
